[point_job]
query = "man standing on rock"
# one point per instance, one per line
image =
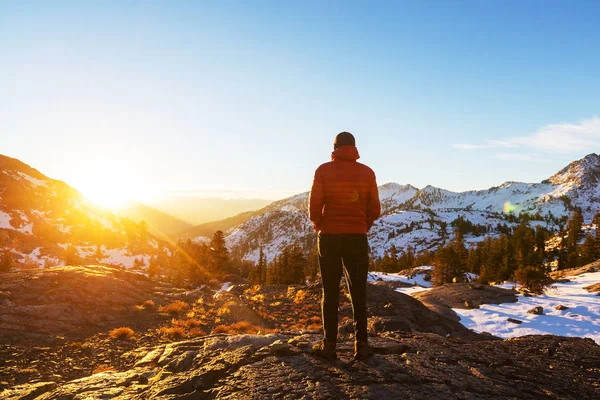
(343, 204)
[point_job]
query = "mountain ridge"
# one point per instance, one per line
(427, 211)
(46, 222)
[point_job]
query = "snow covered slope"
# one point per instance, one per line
(422, 218)
(581, 318)
(41, 217)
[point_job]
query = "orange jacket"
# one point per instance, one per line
(344, 196)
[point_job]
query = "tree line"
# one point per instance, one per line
(518, 253)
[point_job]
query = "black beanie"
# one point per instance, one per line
(344, 139)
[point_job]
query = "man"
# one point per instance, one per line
(343, 204)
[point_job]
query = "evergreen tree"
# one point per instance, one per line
(153, 267)
(298, 266)
(258, 276)
(540, 244)
(450, 261)
(71, 256)
(589, 250)
(219, 255)
(5, 260)
(575, 229)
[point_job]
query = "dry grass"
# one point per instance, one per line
(291, 292)
(238, 327)
(173, 332)
(186, 323)
(28, 371)
(258, 298)
(224, 310)
(102, 368)
(176, 307)
(252, 290)
(196, 332)
(122, 333)
(148, 304)
(300, 296)
(314, 327)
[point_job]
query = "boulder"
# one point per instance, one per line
(536, 310)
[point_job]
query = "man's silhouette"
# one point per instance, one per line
(344, 203)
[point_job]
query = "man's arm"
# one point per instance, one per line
(373, 205)
(316, 200)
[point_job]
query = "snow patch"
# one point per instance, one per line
(582, 319)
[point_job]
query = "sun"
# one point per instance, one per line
(112, 188)
(113, 197)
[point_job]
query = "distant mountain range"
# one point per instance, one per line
(200, 210)
(422, 218)
(40, 217)
(159, 223)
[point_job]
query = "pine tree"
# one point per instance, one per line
(589, 250)
(153, 267)
(71, 256)
(5, 260)
(219, 255)
(258, 276)
(540, 244)
(298, 266)
(575, 229)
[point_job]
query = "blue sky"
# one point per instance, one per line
(244, 98)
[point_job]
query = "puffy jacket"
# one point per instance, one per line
(344, 196)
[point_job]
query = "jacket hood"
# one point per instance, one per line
(345, 153)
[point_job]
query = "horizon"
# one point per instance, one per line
(239, 101)
(199, 195)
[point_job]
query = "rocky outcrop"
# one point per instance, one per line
(591, 267)
(393, 311)
(442, 299)
(418, 366)
(40, 304)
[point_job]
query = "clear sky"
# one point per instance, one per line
(243, 98)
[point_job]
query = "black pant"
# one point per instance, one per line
(351, 251)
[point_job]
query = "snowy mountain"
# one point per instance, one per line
(423, 218)
(46, 222)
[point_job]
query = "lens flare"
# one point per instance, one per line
(508, 207)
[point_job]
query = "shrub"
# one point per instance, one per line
(196, 332)
(300, 296)
(532, 278)
(176, 307)
(186, 323)
(122, 333)
(173, 332)
(238, 327)
(314, 327)
(224, 310)
(148, 304)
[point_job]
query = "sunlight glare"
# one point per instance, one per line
(111, 188)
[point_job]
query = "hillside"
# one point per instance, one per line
(45, 222)
(423, 218)
(253, 342)
(159, 223)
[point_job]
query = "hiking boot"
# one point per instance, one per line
(362, 350)
(325, 350)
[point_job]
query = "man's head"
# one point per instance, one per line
(343, 139)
